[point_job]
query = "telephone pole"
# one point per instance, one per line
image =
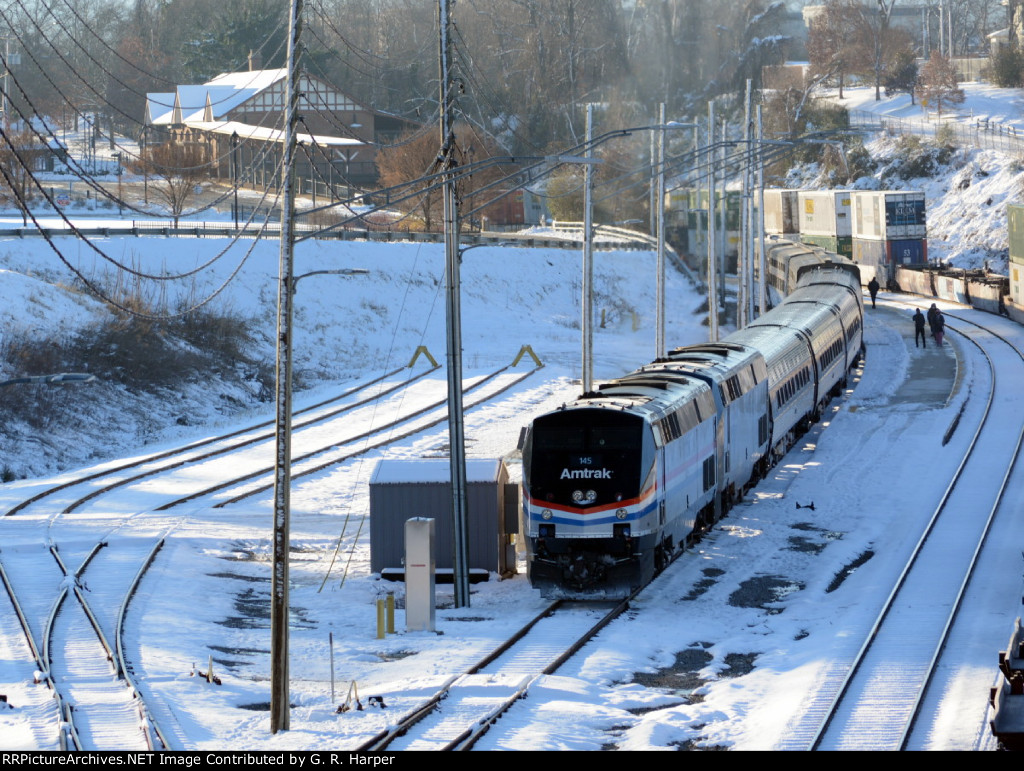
(279, 707)
(456, 428)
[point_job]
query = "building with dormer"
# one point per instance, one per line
(238, 120)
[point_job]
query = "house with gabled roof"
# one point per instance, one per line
(238, 118)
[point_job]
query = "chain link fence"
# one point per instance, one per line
(983, 134)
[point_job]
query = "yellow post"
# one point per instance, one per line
(391, 612)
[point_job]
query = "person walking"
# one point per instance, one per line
(919, 321)
(938, 327)
(873, 289)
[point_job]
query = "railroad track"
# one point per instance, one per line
(72, 630)
(874, 698)
(78, 665)
(126, 473)
(466, 706)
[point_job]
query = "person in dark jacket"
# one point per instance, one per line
(919, 321)
(873, 289)
(938, 326)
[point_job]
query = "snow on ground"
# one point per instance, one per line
(966, 199)
(723, 647)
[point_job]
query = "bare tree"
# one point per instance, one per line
(881, 42)
(15, 165)
(938, 84)
(414, 157)
(832, 41)
(178, 169)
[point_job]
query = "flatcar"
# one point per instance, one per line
(620, 480)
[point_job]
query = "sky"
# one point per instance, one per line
(728, 648)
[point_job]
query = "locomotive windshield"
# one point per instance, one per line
(584, 458)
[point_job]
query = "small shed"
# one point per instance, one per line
(405, 488)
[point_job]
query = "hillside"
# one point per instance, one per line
(351, 327)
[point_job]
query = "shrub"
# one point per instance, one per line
(945, 135)
(917, 158)
(1007, 68)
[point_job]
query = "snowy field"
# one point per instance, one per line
(704, 661)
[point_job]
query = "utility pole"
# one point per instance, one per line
(660, 202)
(762, 266)
(587, 300)
(279, 707)
(712, 257)
(456, 432)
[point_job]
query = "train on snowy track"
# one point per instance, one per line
(618, 481)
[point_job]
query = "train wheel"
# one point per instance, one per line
(660, 558)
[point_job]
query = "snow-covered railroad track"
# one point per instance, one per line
(100, 481)
(465, 707)
(875, 701)
(334, 446)
(32, 707)
(76, 627)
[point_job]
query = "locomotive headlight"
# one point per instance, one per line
(591, 496)
(546, 514)
(584, 496)
(620, 513)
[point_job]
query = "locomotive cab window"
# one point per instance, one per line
(587, 457)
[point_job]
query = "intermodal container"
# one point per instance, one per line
(825, 213)
(885, 256)
(1015, 226)
(780, 212)
(841, 245)
(733, 206)
(889, 215)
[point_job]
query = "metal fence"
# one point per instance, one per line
(562, 238)
(983, 134)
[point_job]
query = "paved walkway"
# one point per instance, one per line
(932, 374)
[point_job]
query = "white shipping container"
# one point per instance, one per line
(780, 212)
(887, 215)
(825, 213)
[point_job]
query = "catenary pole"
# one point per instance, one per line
(762, 285)
(456, 428)
(279, 708)
(587, 300)
(660, 203)
(712, 236)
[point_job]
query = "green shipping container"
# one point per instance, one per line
(734, 204)
(841, 245)
(1015, 226)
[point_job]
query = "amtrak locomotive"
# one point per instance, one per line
(615, 483)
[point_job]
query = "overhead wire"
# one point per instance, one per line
(29, 121)
(100, 97)
(475, 75)
(80, 172)
(70, 224)
(93, 286)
